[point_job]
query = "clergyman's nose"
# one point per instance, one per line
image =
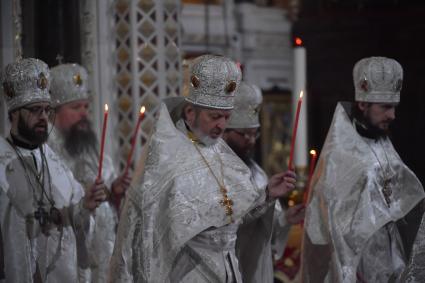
(391, 114)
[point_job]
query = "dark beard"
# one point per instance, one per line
(366, 129)
(242, 154)
(79, 141)
(29, 134)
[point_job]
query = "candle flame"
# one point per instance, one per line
(298, 41)
(106, 107)
(313, 152)
(142, 110)
(301, 94)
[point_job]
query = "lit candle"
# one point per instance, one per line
(299, 84)
(102, 141)
(313, 158)
(134, 138)
(294, 132)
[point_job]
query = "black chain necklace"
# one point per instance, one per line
(43, 216)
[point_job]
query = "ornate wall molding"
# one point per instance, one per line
(148, 64)
(131, 49)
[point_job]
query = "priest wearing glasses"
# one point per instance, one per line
(45, 216)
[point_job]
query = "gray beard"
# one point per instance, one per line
(205, 139)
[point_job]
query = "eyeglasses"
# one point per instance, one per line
(247, 134)
(38, 110)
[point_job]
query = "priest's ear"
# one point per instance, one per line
(13, 115)
(189, 114)
(363, 105)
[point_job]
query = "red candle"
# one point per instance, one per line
(102, 141)
(313, 159)
(294, 132)
(133, 139)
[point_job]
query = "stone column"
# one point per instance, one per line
(10, 46)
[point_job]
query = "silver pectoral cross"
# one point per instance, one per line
(386, 190)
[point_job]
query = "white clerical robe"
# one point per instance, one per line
(350, 228)
(85, 170)
(260, 238)
(173, 227)
(30, 253)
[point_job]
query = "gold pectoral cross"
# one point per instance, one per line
(386, 190)
(226, 202)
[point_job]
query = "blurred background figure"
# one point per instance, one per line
(76, 143)
(254, 247)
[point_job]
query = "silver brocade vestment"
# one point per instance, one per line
(260, 238)
(29, 252)
(415, 270)
(350, 232)
(173, 227)
(85, 170)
